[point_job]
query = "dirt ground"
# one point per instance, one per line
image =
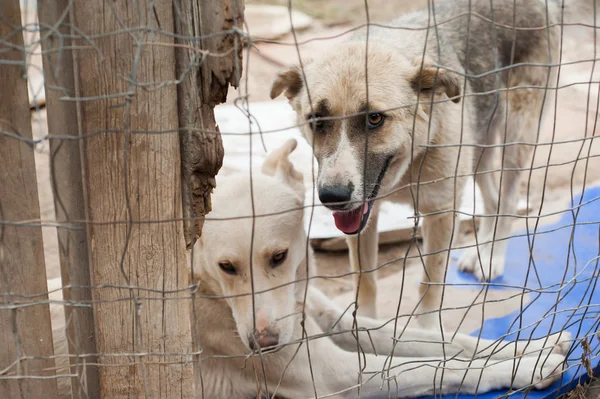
(575, 162)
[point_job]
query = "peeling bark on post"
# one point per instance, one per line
(206, 68)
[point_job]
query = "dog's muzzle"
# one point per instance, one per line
(336, 198)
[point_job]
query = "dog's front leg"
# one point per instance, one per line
(329, 369)
(343, 372)
(368, 335)
(384, 337)
(437, 234)
(363, 249)
(319, 366)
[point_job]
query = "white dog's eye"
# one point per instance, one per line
(278, 258)
(228, 268)
(375, 119)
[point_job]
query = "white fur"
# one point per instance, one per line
(320, 354)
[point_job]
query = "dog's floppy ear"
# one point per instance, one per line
(278, 165)
(425, 79)
(288, 82)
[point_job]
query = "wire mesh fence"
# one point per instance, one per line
(402, 208)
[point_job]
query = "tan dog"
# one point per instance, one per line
(421, 126)
(261, 329)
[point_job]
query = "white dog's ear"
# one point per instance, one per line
(278, 165)
(288, 82)
(430, 80)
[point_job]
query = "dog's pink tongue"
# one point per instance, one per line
(349, 222)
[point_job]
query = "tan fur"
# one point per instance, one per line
(432, 79)
(340, 79)
(289, 82)
(439, 126)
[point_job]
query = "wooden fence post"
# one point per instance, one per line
(24, 316)
(127, 113)
(68, 193)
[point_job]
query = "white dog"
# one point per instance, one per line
(263, 328)
(258, 344)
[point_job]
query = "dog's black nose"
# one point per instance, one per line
(333, 194)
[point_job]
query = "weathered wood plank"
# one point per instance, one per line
(132, 183)
(25, 316)
(68, 193)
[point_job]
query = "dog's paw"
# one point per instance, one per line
(563, 342)
(557, 343)
(541, 372)
(538, 372)
(476, 260)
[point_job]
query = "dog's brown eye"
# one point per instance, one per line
(228, 268)
(315, 125)
(375, 119)
(278, 258)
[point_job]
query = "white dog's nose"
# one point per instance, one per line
(262, 320)
(264, 339)
(265, 334)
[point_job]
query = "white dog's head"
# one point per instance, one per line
(264, 256)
